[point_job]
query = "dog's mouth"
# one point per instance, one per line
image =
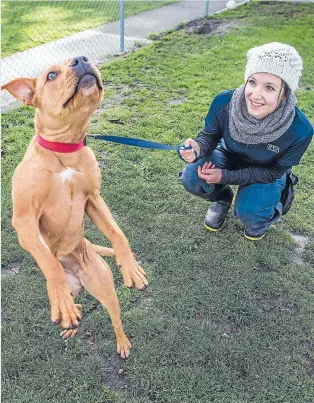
(86, 81)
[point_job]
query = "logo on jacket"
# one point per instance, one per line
(273, 148)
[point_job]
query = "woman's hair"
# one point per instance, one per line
(284, 92)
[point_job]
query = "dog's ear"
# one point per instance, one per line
(22, 89)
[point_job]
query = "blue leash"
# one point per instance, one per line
(131, 141)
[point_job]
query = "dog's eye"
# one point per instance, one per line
(52, 75)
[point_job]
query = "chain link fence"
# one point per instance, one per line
(36, 34)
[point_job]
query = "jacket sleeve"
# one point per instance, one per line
(207, 141)
(250, 175)
(210, 135)
(294, 153)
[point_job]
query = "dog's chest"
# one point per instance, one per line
(67, 175)
(63, 204)
(79, 182)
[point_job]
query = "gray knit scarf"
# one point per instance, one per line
(249, 130)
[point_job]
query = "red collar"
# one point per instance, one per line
(59, 147)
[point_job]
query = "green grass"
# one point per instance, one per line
(224, 320)
(26, 24)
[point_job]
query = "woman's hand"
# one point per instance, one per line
(210, 173)
(189, 155)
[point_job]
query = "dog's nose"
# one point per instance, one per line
(79, 62)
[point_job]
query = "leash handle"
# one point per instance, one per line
(183, 147)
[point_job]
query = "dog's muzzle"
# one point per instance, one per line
(85, 72)
(87, 81)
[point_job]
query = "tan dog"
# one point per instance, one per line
(53, 189)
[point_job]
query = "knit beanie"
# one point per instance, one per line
(278, 59)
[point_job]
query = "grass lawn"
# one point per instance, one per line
(224, 319)
(26, 24)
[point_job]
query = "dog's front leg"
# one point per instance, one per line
(99, 213)
(63, 309)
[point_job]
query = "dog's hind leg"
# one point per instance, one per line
(96, 278)
(71, 268)
(103, 251)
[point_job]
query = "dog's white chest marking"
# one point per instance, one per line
(67, 174)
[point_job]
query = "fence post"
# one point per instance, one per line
(206, 7)
(121, 26)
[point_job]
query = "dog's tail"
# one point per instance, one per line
(102, 251)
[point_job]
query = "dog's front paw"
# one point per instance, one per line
(63, 310)
(132, 273)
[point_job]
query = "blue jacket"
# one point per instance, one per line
(276, 156)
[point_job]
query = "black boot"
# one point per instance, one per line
(218, 211)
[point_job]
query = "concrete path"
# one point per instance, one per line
(101, 43)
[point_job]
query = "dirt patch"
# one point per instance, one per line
(301, 241)
(13, 268)
(115, 378)
(278, 304)
(103, 160)
(114, 367)
(204, 26)
(228, 326)
(176, 101)
(263, 268)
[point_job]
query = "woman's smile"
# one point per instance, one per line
(256, 104)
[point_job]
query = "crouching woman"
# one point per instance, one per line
(252, 137)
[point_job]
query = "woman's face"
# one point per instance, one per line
(263, 93)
